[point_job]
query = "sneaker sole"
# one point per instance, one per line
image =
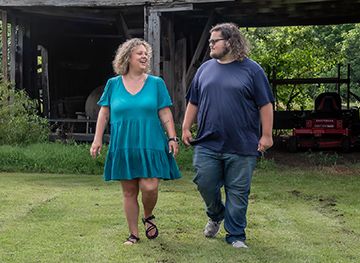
(212, 236)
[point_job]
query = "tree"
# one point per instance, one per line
(303, 51)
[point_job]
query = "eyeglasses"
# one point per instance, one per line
(214, 41)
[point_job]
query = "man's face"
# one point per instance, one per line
(218, 45)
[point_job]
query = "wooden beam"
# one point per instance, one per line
(12, 50)
(45, 80)
(153, 35)
(173, 8)
(93, 36)
(87, 3)
(71, 14)
(19, 73)
(97, 3)
(4, 46)
(122, 26)
(308, 81)
(199, 49)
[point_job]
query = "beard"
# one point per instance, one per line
(222, 54)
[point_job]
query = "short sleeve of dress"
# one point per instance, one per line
(105, 97)
(164, 99)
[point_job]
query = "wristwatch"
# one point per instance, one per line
(175, 139)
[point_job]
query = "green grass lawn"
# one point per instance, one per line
(294, 216)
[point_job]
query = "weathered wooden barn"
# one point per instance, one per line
(61, 50)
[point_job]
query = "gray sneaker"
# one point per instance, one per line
(212, 228)
(239, 244)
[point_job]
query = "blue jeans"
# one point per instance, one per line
(234, 172)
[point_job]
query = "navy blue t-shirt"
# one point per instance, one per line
(228, 97)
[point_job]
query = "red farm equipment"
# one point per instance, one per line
(327, 126)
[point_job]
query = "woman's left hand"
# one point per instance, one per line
(173, 147)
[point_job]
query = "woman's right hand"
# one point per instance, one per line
(95, 149)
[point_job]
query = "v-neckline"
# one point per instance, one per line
(127, 91)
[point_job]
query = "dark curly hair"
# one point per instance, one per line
(239, 46)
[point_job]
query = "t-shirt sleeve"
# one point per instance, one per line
(164, 99)
(192, 95)
(262, 90)
(105, 97)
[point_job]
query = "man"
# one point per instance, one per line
(231, 97)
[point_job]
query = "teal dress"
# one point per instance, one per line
(138, 144)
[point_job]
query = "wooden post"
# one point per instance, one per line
(348, 86)
(20, 57)
(146, 14)
(45, 80)
(4, 46)
(153, 35)
(180, 80)
(13, 52)
(338, 80)
(274, 88)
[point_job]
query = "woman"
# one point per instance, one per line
(139, 154)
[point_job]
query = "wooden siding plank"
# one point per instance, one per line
(199, 49)
(4, 46)
(19, 74)
(168, 55)
(180, 80)
(45, 80)
(12, 50)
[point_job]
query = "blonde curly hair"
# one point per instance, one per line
(239, 46)
(123, 53)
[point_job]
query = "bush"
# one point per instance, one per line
(19, 122)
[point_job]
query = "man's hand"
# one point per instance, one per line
(265, 143)
(186, 137)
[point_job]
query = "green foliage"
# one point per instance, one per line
(306, 52)
(266, 164)
(51, 158)
(19, 122)
(65, 158)
(351, 52)
(322, 159)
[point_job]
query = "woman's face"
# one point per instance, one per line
(139, 58)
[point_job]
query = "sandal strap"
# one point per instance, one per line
(147, 220)
(151, 227)
(132, 238)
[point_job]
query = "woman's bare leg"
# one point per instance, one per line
(149, 189)
(130, 190)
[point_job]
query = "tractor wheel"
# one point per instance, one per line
(346, 144)
(292, 144)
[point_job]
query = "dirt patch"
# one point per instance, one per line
(332, 162)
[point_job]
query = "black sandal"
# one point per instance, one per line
(132, 239)
(151, 227)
